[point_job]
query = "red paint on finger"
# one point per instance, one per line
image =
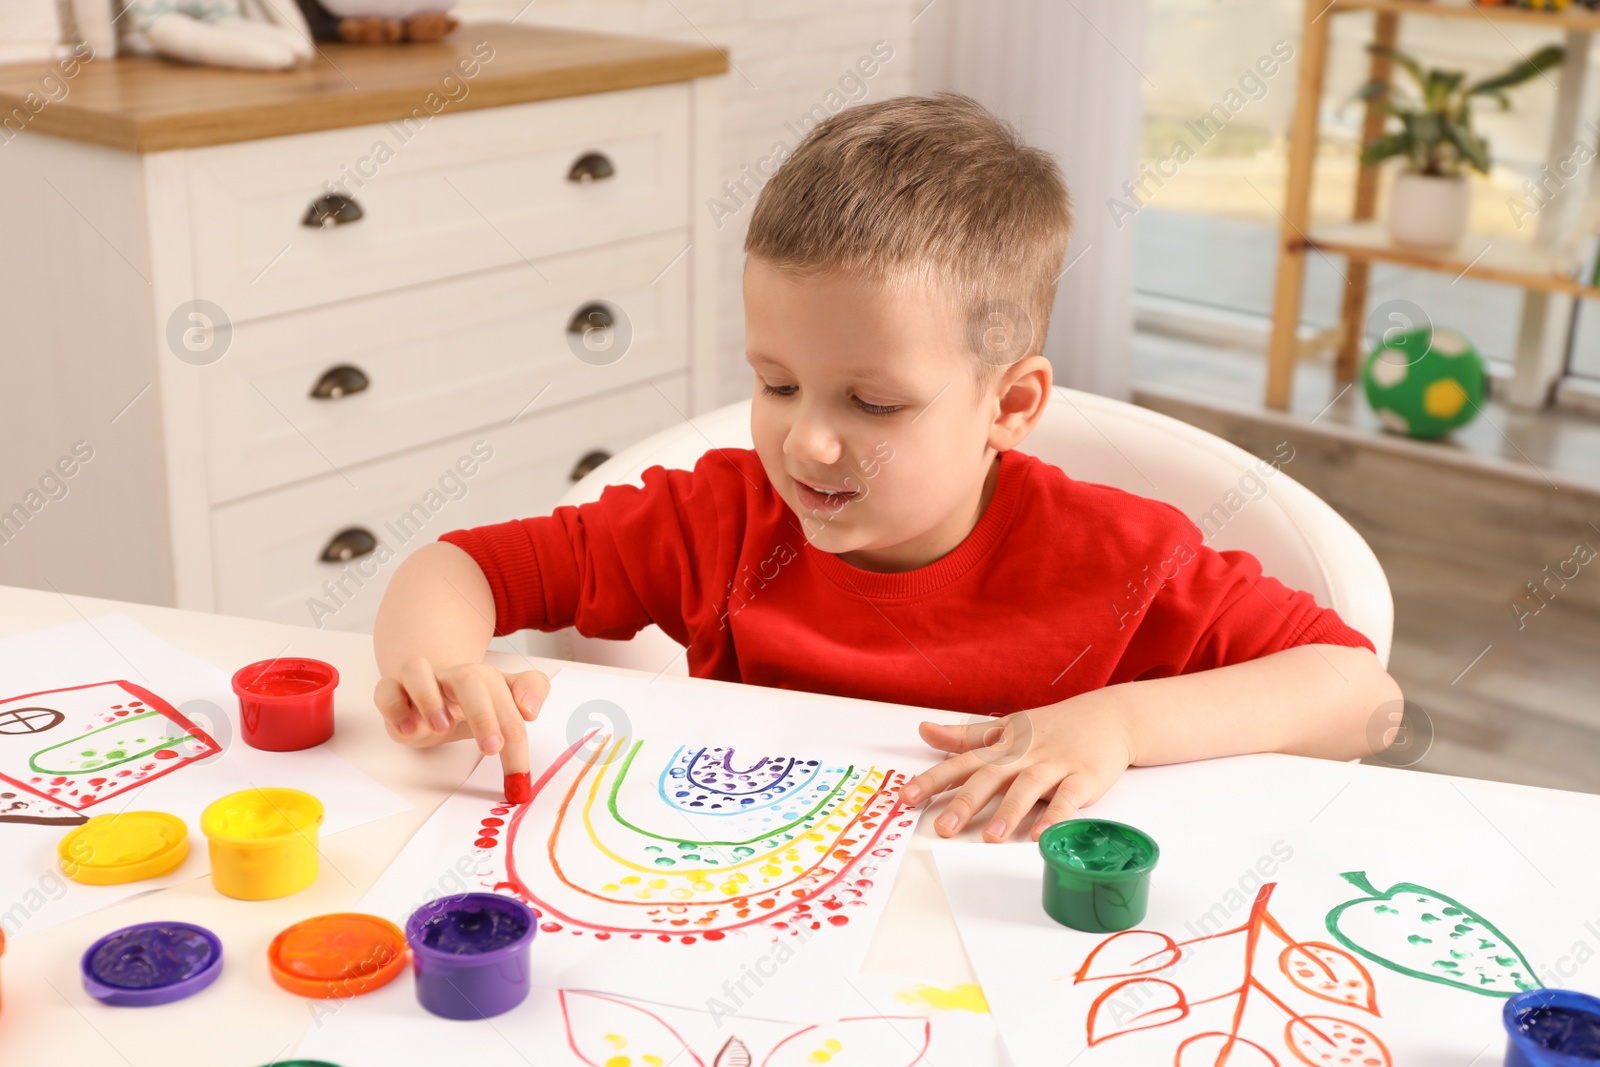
(519, 788)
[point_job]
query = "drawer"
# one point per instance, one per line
(267, 551)
(459, 193)
(435, 362)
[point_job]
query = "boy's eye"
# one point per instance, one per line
(877, 409)
(777, 390)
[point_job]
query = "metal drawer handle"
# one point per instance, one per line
(591, 167)
(350, 544)
(592, 316)
(586, 466)
(343, 380)
(334, 209)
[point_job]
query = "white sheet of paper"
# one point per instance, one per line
(1319, 833)
(889, 1022)
(126, 694)
(721, 849)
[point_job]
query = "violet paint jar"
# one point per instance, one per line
(470, 954)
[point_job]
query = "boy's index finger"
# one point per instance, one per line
(514, 762)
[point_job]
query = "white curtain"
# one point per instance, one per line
(1068, 75)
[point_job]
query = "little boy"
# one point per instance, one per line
(884, 539)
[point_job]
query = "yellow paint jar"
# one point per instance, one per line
(127, 847)
(263, 842)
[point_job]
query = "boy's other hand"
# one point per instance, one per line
(1070, 753)
(425, 706)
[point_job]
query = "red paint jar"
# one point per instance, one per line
(285, 704)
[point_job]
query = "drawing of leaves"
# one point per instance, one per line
(1321, 1040)
(733, 1054)
(601, 1029)
(1136, 1004)
(1132, 952)
(866, 1041)
(1329, 972)
(1233, 1051)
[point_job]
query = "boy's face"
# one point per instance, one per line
(867, 414)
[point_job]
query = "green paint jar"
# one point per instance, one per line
(1097, 874)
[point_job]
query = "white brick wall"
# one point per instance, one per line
(786, 54)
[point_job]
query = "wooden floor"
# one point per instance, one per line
(1509, 682)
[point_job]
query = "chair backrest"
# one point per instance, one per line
(1238, 501)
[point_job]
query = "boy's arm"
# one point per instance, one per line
(609, 568)
(1310, 700)
(432, 630)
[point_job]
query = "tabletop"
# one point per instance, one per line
(48, 1019)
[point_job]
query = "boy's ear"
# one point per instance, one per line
(1022, 392)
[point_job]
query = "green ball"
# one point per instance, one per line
(1424, 382)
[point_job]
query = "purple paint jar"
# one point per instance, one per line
(470, 954)
(1552, 1028)
(151, 963)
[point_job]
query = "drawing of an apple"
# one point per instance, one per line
(1419, 932)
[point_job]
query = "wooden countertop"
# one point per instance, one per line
(143, 104)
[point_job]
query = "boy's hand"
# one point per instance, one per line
(1070, 752)
(425, 706)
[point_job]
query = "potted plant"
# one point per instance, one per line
(1428, 204)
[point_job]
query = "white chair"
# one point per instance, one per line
(1298, 538)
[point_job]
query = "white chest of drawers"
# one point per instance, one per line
(299, 355)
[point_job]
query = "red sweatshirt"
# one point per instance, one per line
(1062, 587)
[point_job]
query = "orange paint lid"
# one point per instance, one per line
(337, 955)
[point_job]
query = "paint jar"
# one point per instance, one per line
(337, 955)
(263, 842)
(126, 847)
(285, 704)
(1552, 1028)
(151, 963)
(1097, 874)
(470, 954)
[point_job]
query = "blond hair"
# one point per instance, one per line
(919, 190)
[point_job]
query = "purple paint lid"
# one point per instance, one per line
(151, 963)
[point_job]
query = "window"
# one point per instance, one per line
(1214, 156)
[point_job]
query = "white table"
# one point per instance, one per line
(48, 1020)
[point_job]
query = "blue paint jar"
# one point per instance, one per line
(1552, 1028)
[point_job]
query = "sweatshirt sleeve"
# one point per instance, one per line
(1206, 609)
(638, 555)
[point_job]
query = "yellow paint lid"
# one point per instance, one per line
(126, 847)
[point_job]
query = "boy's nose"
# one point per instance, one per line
(813, 442)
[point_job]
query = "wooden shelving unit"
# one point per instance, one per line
(1521, 263)
(1532, 265)
(1568, 19)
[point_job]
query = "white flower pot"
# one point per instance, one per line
(1429, 211)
